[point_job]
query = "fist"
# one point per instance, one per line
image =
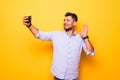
(84, 30)
(27, 20)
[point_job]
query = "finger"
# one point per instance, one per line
(85, 26)
(25, 21)
(25, 17)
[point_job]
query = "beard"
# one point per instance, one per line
(68, 29)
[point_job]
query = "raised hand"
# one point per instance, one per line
(27, 21)
(84, 30)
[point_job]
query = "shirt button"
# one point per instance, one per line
(68, 52)
(67, 64)
(69, 42)
(68, 47)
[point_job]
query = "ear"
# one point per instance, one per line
(74, 23)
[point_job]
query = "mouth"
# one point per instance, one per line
(65, 25)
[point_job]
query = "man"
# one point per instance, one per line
(67, 46)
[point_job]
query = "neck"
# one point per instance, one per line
(70, 32)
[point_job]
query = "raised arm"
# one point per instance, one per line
(27, 23)
(38, 34)
(88, 44)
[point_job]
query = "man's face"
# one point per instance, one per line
(69, 23)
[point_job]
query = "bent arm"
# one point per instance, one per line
(27, 23)
(89, 45)
(33, 30)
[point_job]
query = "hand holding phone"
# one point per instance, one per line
(27, 21)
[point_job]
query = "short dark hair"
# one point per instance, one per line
(73, 15)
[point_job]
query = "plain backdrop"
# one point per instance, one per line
(23, 57)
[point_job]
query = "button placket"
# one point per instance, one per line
(68, 55)
(69, 50)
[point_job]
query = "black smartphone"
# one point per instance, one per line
(29, 19)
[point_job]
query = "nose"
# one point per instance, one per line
(64, 21)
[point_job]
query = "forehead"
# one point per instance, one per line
(68, 17)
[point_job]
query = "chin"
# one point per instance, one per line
(66, 28)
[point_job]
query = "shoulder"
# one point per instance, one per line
(58, 31)
(79, 36)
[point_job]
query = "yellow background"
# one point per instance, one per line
(22, 57)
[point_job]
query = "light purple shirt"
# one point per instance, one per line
(67, 52)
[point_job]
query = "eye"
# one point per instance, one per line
(68, 20)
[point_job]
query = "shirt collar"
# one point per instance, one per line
(74, 33)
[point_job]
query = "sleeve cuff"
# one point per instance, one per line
(91, 53)
(37, 35)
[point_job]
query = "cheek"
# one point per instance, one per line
(69, 23)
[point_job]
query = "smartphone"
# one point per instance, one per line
(29, 19)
